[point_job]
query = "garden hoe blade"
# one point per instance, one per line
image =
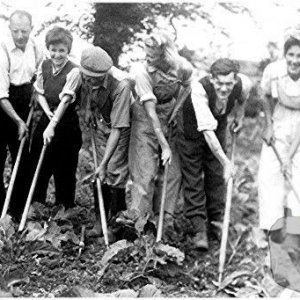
(16, 167)
(32, 187)
(100, 196)
(226, 220)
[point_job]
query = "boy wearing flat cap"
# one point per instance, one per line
(106, 104)
(202, 144)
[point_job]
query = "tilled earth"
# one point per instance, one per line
(45, 262)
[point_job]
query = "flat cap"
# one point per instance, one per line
(95, 61)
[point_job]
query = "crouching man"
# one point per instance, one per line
(106, 104)
(202, 125)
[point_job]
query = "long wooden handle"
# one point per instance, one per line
(16, 167)
(285, 174)
(99, 191)
(163, 196)
(226, 221)
(162, 205)
(32, 188)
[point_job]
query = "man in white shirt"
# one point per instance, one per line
(202, 143)
(19, 58)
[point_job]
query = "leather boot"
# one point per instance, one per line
(200, 240)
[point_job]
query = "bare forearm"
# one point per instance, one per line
(215, 146)
(43, 103)
(59, 112)
(9, 110)
(268, 107)
(111, 145)
(151, 112)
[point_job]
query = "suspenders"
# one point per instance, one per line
(8, 57)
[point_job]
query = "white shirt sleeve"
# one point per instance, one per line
(4, 73)
(266, 80)
(39, 82)
(143, 83)
(247, 85)
(204, 116)
(73, 82)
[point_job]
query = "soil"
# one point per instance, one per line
(53, 267)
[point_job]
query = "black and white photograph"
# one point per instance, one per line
(150, 149)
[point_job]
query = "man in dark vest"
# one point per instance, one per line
(202, 126)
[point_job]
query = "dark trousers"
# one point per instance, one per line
(20, 99)
(203, 183)
(60, 160)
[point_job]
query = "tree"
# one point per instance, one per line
(117, 24)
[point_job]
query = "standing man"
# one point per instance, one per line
(19, 58)
(107, 93)
(202, 144)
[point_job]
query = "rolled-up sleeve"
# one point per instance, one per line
(247, 85)
(143, 83)
(39, 83)
(266, 80)
(4, 74)
(186, 71)
(120, 113)
(204, 116)
(73, 83)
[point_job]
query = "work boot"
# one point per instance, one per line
(97, 231)
(200, 240)
(128, 217)
(216, 230)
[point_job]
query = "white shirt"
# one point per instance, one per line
(276, 73)
(17, 67)
(204, 116)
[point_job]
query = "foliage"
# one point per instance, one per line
(116, 24)
(50, 266)
(119, 24)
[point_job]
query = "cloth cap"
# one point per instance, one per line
(95, 61)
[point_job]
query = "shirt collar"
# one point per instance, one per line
(106, 81)
(11, 46)
(57, 71)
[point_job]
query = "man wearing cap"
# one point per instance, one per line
(202, 126)
(106, 105)
(19, 58)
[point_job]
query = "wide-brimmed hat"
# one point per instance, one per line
(95, 61)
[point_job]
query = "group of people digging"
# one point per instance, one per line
(158, 115)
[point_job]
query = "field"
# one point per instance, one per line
(46, 260)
